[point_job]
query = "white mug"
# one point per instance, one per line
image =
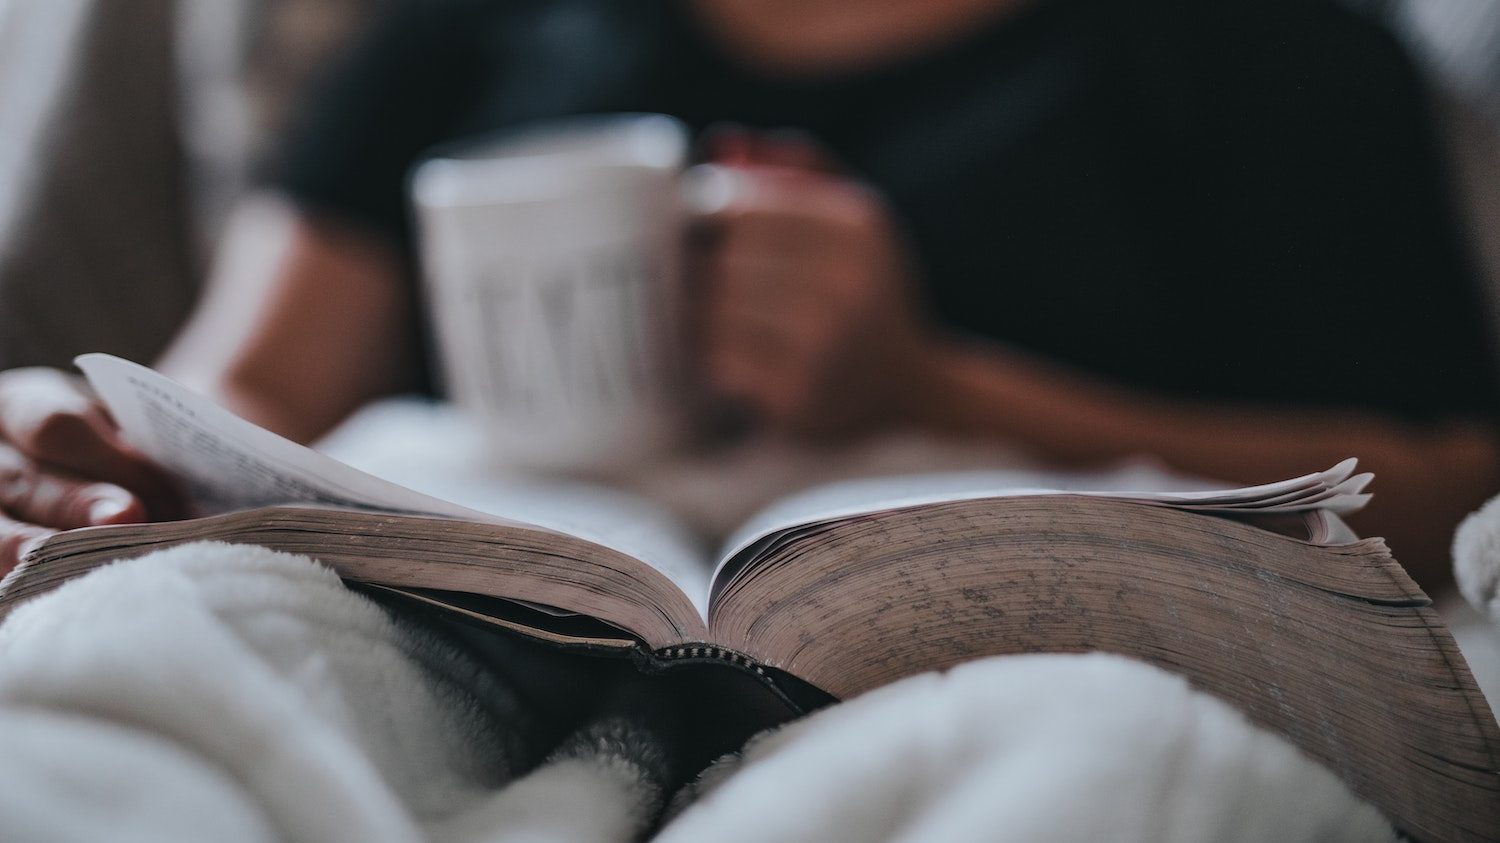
(552, 264)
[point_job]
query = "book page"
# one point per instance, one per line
(628, 523)
(1337, 490)
(433, 448)
(229, 463)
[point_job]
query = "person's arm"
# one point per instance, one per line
(1428, 476)
(808, 320)
(304, 321)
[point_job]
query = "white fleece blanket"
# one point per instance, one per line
(225, 693)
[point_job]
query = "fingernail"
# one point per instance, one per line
(107, 510)
(709, 189)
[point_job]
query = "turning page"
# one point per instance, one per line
(229, 463)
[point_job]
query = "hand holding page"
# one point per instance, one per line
(229, 463)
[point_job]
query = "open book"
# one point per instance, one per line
(1321, 637)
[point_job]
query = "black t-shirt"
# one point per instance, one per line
(1223, 199)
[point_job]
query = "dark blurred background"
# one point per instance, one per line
(127, 130)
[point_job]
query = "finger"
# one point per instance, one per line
(770, 236)
(16, 540)
(749, 378)
(726, 143)
(735, 145)
(53, 419)
(743, 276)
(28, 397)
(50, 417)
(711, 190)
(48, 498)
(803, 298)
(789, 325)
(714, 190)
(747, 278)
(716, 194)
(764, 363)
(774, 397)
(813, 263)
(792, 149)
(759, 306)
(770, 255)
(741, 334)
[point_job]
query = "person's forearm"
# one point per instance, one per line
(302, 323)
(1429, 478)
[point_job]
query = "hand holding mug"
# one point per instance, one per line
(806, 312)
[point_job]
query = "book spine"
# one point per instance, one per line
(793, 692)
(710, 652)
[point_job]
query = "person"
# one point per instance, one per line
(1218, 234)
